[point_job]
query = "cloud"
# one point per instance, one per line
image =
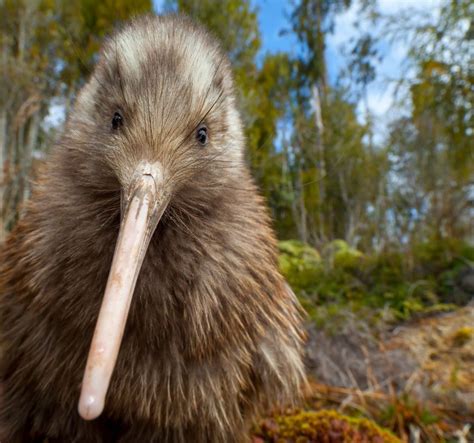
(380, 100)
(344, 27)
(391, 6)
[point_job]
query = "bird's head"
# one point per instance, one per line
(158, 115)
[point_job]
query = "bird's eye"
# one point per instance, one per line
(201, 135)
(117, 120)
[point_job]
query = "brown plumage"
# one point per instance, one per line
(213, 333)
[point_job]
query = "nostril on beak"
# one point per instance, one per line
(153, 170)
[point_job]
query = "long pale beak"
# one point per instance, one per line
(142, 212)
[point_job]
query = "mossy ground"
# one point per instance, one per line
(325, 426)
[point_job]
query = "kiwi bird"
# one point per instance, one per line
(140, 297)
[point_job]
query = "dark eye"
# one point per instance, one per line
(117, 120)
(201, 135)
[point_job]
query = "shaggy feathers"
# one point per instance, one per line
(214, 332)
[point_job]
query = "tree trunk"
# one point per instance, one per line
(316, 103)
(302, 225)
(3, 171)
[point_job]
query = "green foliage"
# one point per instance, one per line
(89, 21)
(431, 150)
(312, 20)
(439, 253)
(322, 426)
(345, 278)
(60, 38)
(299, 262)
(342, 256)
(234, 22)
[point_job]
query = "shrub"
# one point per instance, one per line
(432, 277)
(299, 263)
(343, 256)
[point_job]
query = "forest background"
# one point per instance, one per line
(359, 118)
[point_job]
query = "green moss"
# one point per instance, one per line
(299, 263)
(342, 255)
(322, 426)
(299, 249)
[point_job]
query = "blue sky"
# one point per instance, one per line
(272, 19)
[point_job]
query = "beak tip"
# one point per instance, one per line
(90, 407)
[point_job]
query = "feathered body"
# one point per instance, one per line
(214, 333)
